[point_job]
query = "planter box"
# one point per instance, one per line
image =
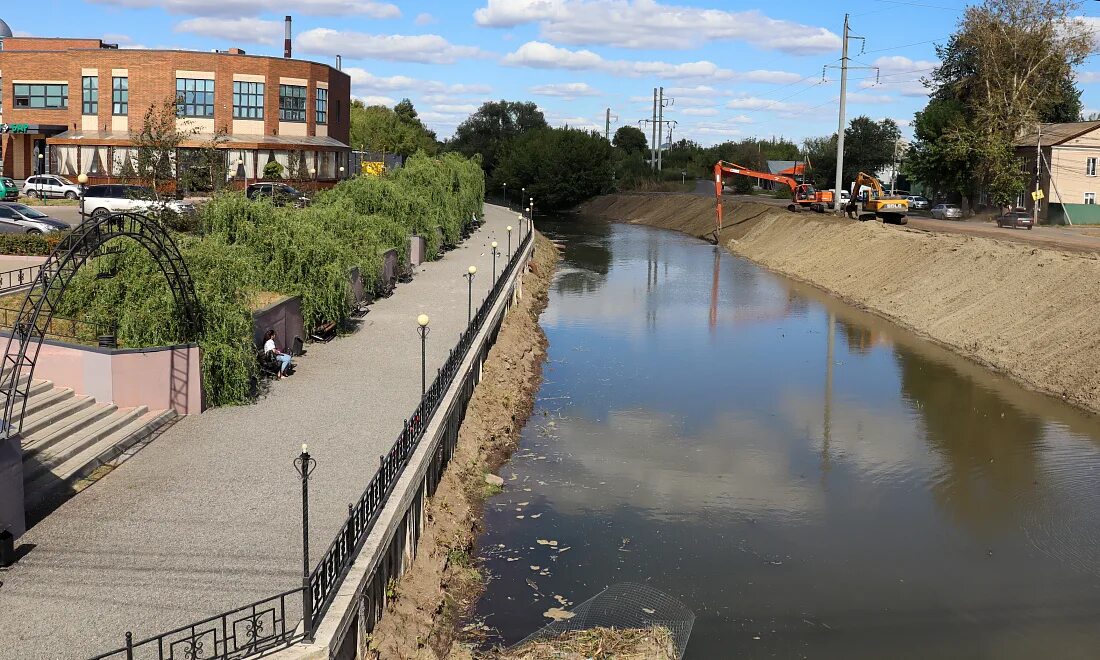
(418, 250)
(285, 317)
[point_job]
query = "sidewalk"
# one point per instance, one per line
(207, 518)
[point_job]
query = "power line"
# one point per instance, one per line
(918, 43)
(917, 4)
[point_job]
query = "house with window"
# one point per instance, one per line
(1065, 157)
(70, 106)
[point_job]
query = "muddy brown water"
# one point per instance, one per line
(810, 480)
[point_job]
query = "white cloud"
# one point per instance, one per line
(651, 24)
(378, 100)
(424, 18)
(542, 55)
(1086, 77)
(246, 29)
(869, 99)
(756, 103)
(455, 108)
(700, 112)
(423, 48)
(899, 76)
(236, 8)
(363, 81)
(568, 91)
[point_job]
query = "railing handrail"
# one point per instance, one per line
(391, 467)
(25, 277)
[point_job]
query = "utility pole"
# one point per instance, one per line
(840, 129)
(844, 66)
(607, 124)
(894, 169)
(660, 128)
(1038, 170)
(653, 133)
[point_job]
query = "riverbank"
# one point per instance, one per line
(1025, 311)
(443, 582)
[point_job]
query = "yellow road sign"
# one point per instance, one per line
(1037, 195)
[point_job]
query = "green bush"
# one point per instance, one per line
(30, 245)
(244, 247)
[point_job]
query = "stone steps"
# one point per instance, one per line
(66, 437)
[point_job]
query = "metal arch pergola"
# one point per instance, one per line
(35, 314)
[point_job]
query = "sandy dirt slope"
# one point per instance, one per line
(1024, 310)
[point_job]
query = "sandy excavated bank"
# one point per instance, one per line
(1028, 312)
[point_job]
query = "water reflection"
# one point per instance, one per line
(810, 480)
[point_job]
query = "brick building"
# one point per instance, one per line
(68, 106)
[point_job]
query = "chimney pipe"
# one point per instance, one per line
(286, 38)
(339, 63)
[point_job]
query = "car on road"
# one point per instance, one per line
(918, 202)
(50, 185)
(947, 212)
(103, 200)
(1019, 218)
(21, 219)
(279, 193)
(9, 190)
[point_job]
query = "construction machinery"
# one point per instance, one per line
(803, 195)
(870, 201)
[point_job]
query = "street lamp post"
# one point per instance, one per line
(42, 170)
(244, 172)
(522, 194)
(82, 179)
(495, 252)
(313, 180)
(505, 194)
(304, 464)
(422, 323)
(470, 294)
(341, 171)
(509, 242)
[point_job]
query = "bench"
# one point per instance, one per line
(324, 332)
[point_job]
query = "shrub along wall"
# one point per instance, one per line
(244, 247)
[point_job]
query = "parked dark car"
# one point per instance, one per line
(280, 194)
(1017, 219)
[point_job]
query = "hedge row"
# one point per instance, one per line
(30, 245)
(244, 247)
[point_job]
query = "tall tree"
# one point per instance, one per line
(630, 139)
(488, 130)
(1009, 65)
(399, 131)
(560, 167)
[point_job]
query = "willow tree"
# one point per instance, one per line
(1010, 65)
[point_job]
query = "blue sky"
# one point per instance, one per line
(735, 69)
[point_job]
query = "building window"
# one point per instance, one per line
(292, 103)
(248, 100)
(322, 106)
(90, 103)
(54, 97)
(194, 97)
(1090, 198)
(1090, 167)
(120, 96)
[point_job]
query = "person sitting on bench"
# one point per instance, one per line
(269, 349)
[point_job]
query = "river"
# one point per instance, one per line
(810, 480)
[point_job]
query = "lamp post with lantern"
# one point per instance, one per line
(422, 327)
(470, 272)
(82, 179)
(495, 252)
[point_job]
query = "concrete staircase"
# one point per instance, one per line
(67, 437)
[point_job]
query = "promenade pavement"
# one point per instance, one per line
(208, 517)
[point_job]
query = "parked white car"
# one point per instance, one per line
(50, 185)
(102, 200)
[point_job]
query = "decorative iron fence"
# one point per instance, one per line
(265, 625)
(240, 633)
(13, 280)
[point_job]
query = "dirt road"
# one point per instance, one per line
(1061, 238)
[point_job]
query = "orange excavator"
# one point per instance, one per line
(803, 195)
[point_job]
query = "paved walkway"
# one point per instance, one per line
(207, 518)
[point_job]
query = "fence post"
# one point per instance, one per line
(129, 645)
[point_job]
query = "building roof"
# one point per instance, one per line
(205, 139)
(5, 30)
(1053, 134)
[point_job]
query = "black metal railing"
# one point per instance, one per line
(63, 329)
(240, 633)
(336, 560)
(265, 625)
(14, 280)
